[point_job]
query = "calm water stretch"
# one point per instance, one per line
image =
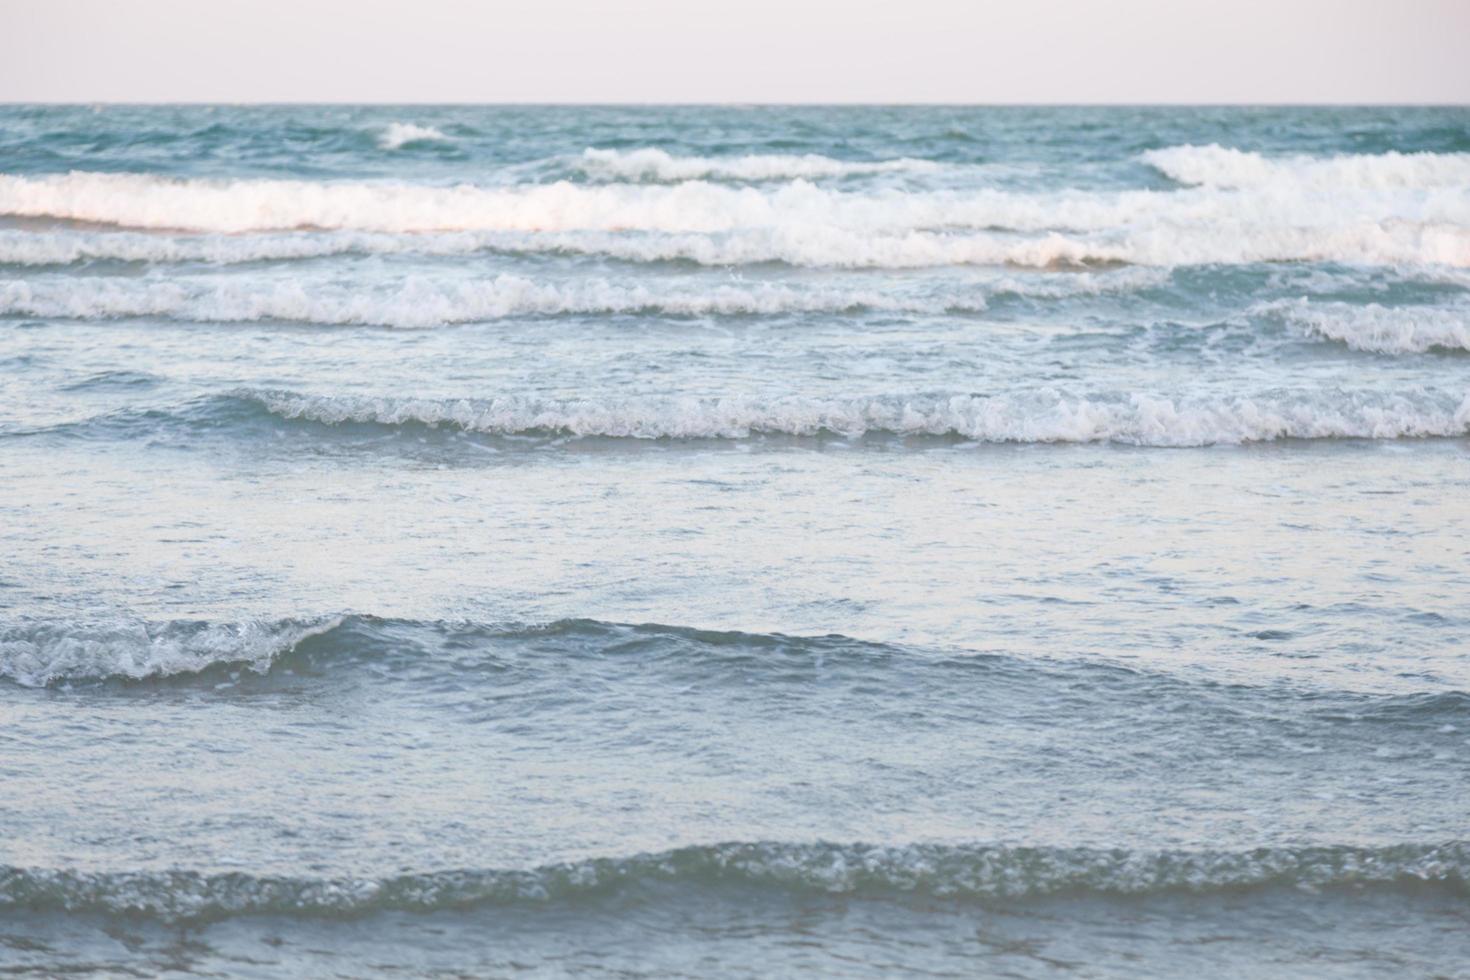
(734, 542)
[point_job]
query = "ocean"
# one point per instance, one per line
(738, 541)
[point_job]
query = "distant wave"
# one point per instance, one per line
(427, 303)
(1042, 416)
(974, 872)
(1225, 167)
(655, 165)
(397, 135)
(1379, 329)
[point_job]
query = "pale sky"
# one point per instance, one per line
(741, 51)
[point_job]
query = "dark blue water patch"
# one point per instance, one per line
(945, 871)
(747, 931)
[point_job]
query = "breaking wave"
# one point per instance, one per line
(975, 872)
(1045, 416)
(799, 221)
(41, 652)
(1040, 416)
(1379, 329)
(829, 246)
(419, 303)
(1226, 167)
(397, 135)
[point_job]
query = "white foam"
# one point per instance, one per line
(652, 164)
(1043, 416)
(1164, 245)
(1220, 166)
(796, 222)
(145, 201)
(33, 248)
(397, 135)
(819, 246)
(418, 302)
(36, 653)
(1380, 329)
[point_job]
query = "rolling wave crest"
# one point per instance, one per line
(1045, 416)
(973, 872)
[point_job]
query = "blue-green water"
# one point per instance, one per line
(734, 541)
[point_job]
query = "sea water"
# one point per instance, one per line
(734, 541)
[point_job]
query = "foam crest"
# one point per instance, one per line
(1038, 417)
(974, 872)
(422, 303)
(650, 164)
(1226, 167)
(1158, 246)
(37, 653)
(1379, 329)
(819, 246)
(1144, 222)
(397, 135)
(39, 248)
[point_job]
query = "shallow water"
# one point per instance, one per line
(721, 541)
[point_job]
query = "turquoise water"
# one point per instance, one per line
(734, 541)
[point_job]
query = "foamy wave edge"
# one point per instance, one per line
(398, 135)
(1168, 227)
(814, 246)
(1379, 329)
(1219, 166)
(1040, 417)
(944, 871)
(422, 303)
(39, 653)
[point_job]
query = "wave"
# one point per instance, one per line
(1379, 329)
(654, 165)
(1225, 167)
(1044, 415)
(48, 652)
(41, 652)
(421, 303)
(1035, 417)
(819, 247)
(976, 872)
(1147, 219)
(1366, 242)
(398, 135)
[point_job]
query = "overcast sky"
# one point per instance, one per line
(740, 51)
